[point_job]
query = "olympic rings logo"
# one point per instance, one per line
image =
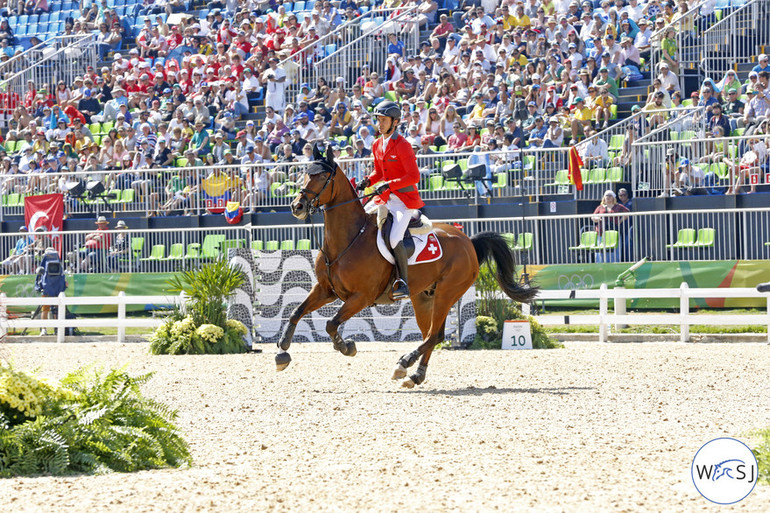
(576, 282)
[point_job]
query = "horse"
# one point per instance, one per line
(350, 268)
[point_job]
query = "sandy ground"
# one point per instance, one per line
(588, 428)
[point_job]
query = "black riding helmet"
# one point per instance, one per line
(389, 109)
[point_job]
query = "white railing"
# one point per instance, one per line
(301, 67)
(605, 319)
(720, 155)
(63, 61)
(121, 322)
(370, 48)
(734, 40)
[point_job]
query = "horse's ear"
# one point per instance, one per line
(317, 152)
(330, 157)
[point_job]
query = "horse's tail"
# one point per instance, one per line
(491, 246)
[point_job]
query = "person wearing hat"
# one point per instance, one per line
(603, 79)
(658, 114)
(120, 247)
(581, 117)
(275, 79)
(609, 205)
(733, 107)
(395, 177)
(96, 244)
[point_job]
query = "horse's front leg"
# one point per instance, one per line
(318, 297)
(349, 308)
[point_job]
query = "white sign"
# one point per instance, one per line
(552, 206)
(517, 335)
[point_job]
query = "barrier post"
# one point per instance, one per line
(768, 317)
(121, 317)
(620, 306)
(684, 312)
(62, 318)
(603, 306)
(4, 316)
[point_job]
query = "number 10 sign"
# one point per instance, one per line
(517, 335)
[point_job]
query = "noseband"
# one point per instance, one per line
(304, 193)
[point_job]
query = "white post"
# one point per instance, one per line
(620, 307)
(684, 313)
(603, 307)
(121, 317)
(526, 310)
(4, 315)
(768, 316)
(62, 318)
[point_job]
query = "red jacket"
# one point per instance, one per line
(397, 165)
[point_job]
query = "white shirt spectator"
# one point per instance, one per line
(484, 20)
(634, 10)
(596, 147)
(669, 80)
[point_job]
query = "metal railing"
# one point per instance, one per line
(655, 164)
(301, 67)
(65, 60)
(736, 39)
(691, 235)
(362, 42)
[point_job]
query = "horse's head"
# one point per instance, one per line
(316, 190)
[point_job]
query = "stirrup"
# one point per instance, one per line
(400, 289)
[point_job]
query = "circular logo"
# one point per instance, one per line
(724, 471)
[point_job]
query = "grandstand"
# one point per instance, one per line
(159, 113)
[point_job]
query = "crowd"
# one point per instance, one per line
(492, 75)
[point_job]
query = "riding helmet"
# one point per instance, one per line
(389, 109)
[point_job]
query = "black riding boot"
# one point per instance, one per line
(400, 287)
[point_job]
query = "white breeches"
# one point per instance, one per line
(401, 217)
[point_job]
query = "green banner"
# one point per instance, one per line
(656, 275)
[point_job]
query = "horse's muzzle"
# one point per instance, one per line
(299, 208)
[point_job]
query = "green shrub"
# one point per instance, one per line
(89, 423)
(202, 327)
(492, 312)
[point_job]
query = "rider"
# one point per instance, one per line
(396, 167)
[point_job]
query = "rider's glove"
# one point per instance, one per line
(363, 184)
(384, 186)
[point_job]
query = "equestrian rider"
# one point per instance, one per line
(396, 167)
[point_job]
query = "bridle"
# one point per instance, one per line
(313, 204)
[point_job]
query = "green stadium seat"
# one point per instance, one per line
(193, 251)
(137, 245)
(176, 252)
(271, 245)
(435, 182)
(719, 169)
(587, 241)
(10, 147)
(232, 243)
(501, 181)
(706, 238)
(614, 175)
(684, 239)
(609, 240)
(107, 126)
(287, 245)
(616, 142)
(211, 245)
(303, 244)
(596, 175)
(127, 196)
(158, 253)
(561, 178)
(257, 245)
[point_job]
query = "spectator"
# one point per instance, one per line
(753, 162)
(20, 258)
(96, 244)
(120, 248)
(688, 179)
(763, 64)
(609, 205)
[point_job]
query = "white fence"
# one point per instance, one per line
(619, 295)
(61, 322)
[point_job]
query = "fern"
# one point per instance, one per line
(104, 425)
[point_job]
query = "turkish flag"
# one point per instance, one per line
(47, 211)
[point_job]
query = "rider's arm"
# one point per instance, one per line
(411, 175)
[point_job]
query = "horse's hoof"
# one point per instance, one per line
(282, 360)
(399, 372)
(350, 348)
(407, 383)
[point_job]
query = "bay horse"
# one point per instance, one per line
(350, 267)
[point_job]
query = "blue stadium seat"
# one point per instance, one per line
(23, 19)
(60, 27)
(21, 30)
(44, 18)
(32, 18)
(289, 6)
(330, 49)
(12, 21)
(309, 5)
(56, 16)
(722, 4)
(299, 6)
(68, 6)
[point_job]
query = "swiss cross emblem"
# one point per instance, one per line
(430, 251)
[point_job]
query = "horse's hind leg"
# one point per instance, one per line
(423, 309)
(349, 308)
(318, 297)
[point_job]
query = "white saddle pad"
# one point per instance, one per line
(426, 248)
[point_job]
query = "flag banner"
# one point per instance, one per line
(233, 212)
(575, 163)
(46, 211)
(216, 192)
